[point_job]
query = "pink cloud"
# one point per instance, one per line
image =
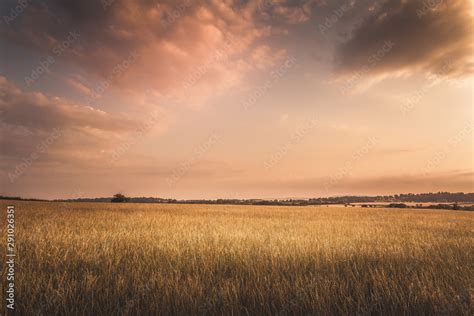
(171, 41)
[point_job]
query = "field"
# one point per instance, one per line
(103, 259)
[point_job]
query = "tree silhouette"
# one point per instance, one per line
(120, 198)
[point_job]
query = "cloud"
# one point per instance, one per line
(294, 15)
(287, 11)
(37, 111)
(454, 181)
(431, 37)
(171, 40)
(263, 58)
(56, 129)
(437, 181)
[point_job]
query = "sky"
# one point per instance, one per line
(235, 99)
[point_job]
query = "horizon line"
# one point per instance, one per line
(5, 197)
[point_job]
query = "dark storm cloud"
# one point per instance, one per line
(427, 36)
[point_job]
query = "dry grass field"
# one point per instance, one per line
(104, 259)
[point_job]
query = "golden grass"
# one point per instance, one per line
(101, 259)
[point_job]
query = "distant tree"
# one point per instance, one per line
(397, 205)
(120, 198)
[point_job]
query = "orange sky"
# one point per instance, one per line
(235, 99)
